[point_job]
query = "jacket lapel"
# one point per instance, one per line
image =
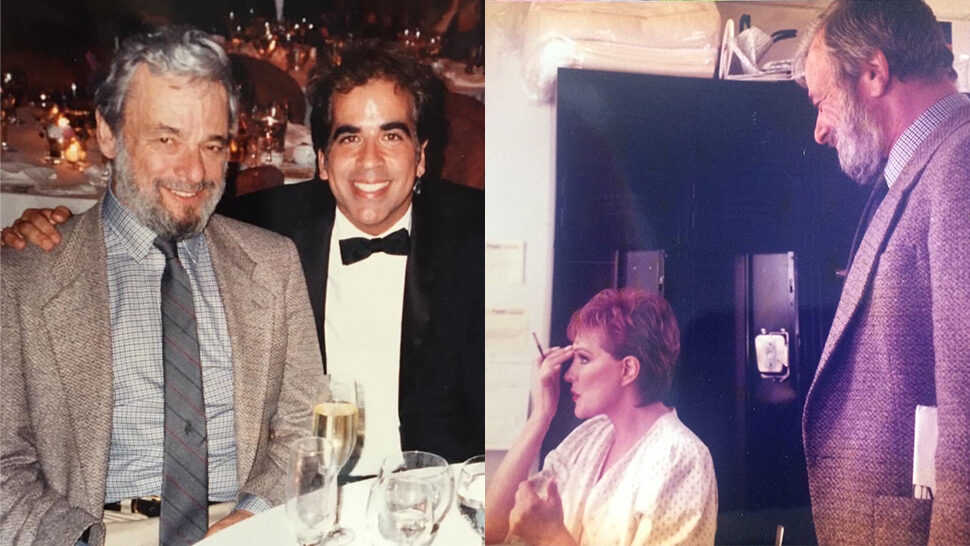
(79, 329)
(418, 278)
(313, 244)
(248, 307)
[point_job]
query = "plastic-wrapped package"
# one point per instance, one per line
(669, 38)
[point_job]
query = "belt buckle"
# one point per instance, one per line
(148, 506)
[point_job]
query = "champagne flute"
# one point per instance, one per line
(407, 513)
(336, 418)
(311, 489)
(471, 493)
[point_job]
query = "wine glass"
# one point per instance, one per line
(471, 493)
(428, 467)
(311, 489)
(336, 418)
(407, 510)
(270, 121)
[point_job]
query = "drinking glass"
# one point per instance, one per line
(270, 122)
(471, 493)
(336, 418)
(407, 511)
(428, 467)
(311, 489)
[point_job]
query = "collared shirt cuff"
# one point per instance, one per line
(252, 503)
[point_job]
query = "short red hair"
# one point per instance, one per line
(639, 324)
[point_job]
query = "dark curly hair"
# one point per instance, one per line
(639, 324)
(362, 62)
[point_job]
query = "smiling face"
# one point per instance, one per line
(843, 121)
(170, 156)
(595, 376)
(373, 155)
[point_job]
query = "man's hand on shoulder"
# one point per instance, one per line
(37, 226)
(228, 521)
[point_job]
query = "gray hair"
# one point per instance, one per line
(179, 50)
(905, 31)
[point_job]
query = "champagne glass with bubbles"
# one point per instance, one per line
(336, 418)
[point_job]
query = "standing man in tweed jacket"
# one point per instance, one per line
(881, 77)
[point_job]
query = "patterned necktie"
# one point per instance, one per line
(185, 480)
(356, 249)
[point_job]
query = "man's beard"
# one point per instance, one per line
(858, 140)
(145, 201)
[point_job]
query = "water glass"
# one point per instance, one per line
(311, 489)
(428, 467)
(471, 493)
(407, 511)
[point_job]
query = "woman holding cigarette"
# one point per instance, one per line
(632, 473)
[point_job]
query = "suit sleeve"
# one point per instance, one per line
(949, 263)
(31, 512)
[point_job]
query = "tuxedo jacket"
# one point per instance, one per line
(57, 373)
(900, 338)
(442, 385)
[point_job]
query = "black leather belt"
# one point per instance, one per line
(148, 506)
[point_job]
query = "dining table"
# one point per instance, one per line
(28, 180)
(273, 528)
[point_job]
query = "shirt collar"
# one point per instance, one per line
(136, 239)
(914, 135)
(344, 229)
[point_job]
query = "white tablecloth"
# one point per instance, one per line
(273, 528)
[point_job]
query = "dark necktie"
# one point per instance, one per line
(879, 191)
(185, 480)
(356, 249)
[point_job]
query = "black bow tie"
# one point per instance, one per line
(356, 249)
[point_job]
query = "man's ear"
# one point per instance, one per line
(106, 137)
(874, 79)
(630, 366)
(419, 168)
(322, 164)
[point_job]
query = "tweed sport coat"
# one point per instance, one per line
(900, 337)
(57, 373)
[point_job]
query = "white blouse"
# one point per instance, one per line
(662, 491)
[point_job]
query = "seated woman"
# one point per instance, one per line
(632, 473)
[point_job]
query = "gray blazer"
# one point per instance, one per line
(56, 373)
(901, 337)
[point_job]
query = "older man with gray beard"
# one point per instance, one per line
(157, 364)
(881, 77)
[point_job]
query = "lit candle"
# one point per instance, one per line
(74, 90)
(73, 152)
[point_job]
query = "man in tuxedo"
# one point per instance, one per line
(881, 76)
(158, 350)
(408, 320)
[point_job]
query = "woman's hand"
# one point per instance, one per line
(538, 521)
(545, 389)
